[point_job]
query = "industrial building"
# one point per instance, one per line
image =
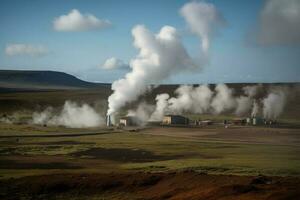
(108, 120)
(175, 119)
(239, 121)
(206, 122)
(129, 121)
(255, 121)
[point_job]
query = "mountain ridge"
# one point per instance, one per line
(36, 79)
(48, 80)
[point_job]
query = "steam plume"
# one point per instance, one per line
(223, 100)
(161, 106)
(72, 115)
(274, 103)
(163, 54)
(190, 99)
(247, 101)
(252, 90)
(142, 113)
(201, 99)
(255, 109)
(244, 104)
(160, 56)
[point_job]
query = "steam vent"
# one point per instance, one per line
(108, 120)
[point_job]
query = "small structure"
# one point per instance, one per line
(239, 121)
(129, 121)
(255, 121)
(270, 122)
(206, 122)
(197, 122)
(153, 123)
(108, 121)
(248, 121)
(175, 120)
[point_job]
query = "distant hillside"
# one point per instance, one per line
(14, 79)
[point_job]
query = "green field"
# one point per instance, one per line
(214, 150)
(27, 149)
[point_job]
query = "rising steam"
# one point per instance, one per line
(161, 105)
(72, 115)
(274, 103)
(142, 113)
(201, 99)
(247, 102)
(223, 101)
(243, 105)
(162, 54)
(189, 99)
(255, 109)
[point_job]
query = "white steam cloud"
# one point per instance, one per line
(160, 56)
(247, 102)
(196, 100)
(163, 54)
(244, 104)
(274, 103)
(252, 90)
(224, 100)
(255, 109)
(142, 113)
(72, 115)
(161, 106)
(201, 99)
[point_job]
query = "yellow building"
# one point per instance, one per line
(175, 119)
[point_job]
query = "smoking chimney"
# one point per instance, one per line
(108, 120)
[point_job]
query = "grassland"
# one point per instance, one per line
(216, 150)
(213, 149)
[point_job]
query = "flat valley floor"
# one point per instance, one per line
(209, 162)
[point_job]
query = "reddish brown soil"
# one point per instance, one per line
(187, 185)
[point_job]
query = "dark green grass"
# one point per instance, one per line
(172, 153)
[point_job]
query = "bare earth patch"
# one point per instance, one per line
(183, 185)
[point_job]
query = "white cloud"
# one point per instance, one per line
(75, 21)
(25, 49)
(279, 22)
(203, 19)
(114, 63)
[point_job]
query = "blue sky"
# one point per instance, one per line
(234, 56)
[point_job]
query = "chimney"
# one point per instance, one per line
(108, 120)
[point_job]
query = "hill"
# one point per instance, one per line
(21, 79)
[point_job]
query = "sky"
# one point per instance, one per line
(259, 41)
